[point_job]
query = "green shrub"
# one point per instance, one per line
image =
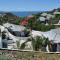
(22, 46)
(18, 44)
(5, 58)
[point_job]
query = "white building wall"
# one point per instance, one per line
(0, 42)
(58, 47)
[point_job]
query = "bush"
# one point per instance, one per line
(5, 58)
(22, 46)
(43, 27)
(18, 44)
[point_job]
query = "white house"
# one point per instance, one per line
(56, 12)
(44, 14)
(53, 34)
(42, 18)
(11, 41)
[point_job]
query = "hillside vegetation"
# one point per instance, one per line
(35, 22)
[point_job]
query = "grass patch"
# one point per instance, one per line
(5, 58)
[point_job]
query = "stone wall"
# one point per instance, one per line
(29, 55)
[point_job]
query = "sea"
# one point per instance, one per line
(25, 13)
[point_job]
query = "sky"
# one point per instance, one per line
(28, 5)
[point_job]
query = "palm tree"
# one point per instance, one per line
(40, 43)
(36, 43)
(45, 42)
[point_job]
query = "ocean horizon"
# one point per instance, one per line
(25, 13)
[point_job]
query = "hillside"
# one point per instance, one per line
(9, 17)
(42, 21)
(45, 21)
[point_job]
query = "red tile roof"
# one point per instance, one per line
(25, 21)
